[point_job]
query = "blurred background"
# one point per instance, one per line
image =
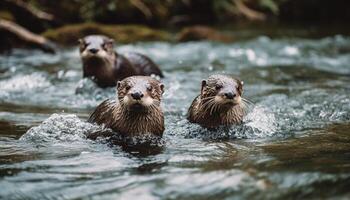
(158, 19)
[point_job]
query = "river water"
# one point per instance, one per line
(294, 142)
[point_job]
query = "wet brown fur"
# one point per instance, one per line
(106, 67)
(208, 114)
(126, 120)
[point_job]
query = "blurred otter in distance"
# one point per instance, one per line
(219, 103)
(136, 112)
(106, 67)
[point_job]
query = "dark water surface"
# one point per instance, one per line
(294, 143)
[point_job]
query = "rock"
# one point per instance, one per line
(196, 33)
(69, 35)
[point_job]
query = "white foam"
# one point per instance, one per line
(291, 50)
(262, 121)
(60, 127)
(23, 82)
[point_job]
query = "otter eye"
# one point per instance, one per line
(218, 87)
(149, 88)
(127, 87)
(105, 47)
(83, 45)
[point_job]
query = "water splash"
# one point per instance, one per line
(69, 128)
(261, 121)
(24, 82)
(258, 123)
(60, 127)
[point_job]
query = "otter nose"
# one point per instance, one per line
(230, 95)
(137, 95)
(93, 50)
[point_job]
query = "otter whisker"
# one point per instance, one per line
(211, 108)
(207, 102)
(155, 102)
(217, 106)
(208, 105)
(247, 100)
(207, 108)
(244, 104)
(214, 108)
(153, 106)
(203, 99)
(247, 106)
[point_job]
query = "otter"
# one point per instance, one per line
(219, 103)
(136, 111)
(106, 67)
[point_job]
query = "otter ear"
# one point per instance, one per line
(241, 88)
(204, 83)
(161, 87)
(119, 83)
(110, 41)
(81, 41)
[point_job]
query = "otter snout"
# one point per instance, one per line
(93, 50)
(229, 95)
(95, 46)
(138, 92)
(137, 95)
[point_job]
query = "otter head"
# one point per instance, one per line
(222, 90)
(96, 48)
(139, 93)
